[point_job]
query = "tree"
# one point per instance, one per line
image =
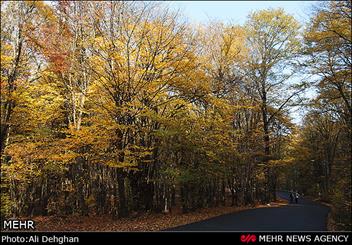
(273, 43)
(16, 57)
(326, 129)
(328, 47)
(139, 68)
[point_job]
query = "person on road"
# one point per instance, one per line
(291, 197)
(296, 197)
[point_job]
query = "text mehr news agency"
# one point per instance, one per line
(306, 238)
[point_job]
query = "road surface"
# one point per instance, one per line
(304, 216)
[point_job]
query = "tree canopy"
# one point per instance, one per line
(123, 107)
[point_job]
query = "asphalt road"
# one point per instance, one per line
(304, 216)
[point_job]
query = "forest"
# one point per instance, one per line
(123, 107)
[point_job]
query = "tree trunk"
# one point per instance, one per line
(122, 206)
(270, 190)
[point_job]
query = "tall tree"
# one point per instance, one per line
(16, 59)
(328, 48)
(273, 42)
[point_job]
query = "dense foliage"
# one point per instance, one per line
(121, 107)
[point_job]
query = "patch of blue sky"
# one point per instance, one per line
(236, 12)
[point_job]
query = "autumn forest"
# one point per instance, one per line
(119, 108)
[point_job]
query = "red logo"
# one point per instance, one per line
(248, 238)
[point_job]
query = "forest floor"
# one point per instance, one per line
(144, 222)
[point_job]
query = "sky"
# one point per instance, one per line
(236, 11)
